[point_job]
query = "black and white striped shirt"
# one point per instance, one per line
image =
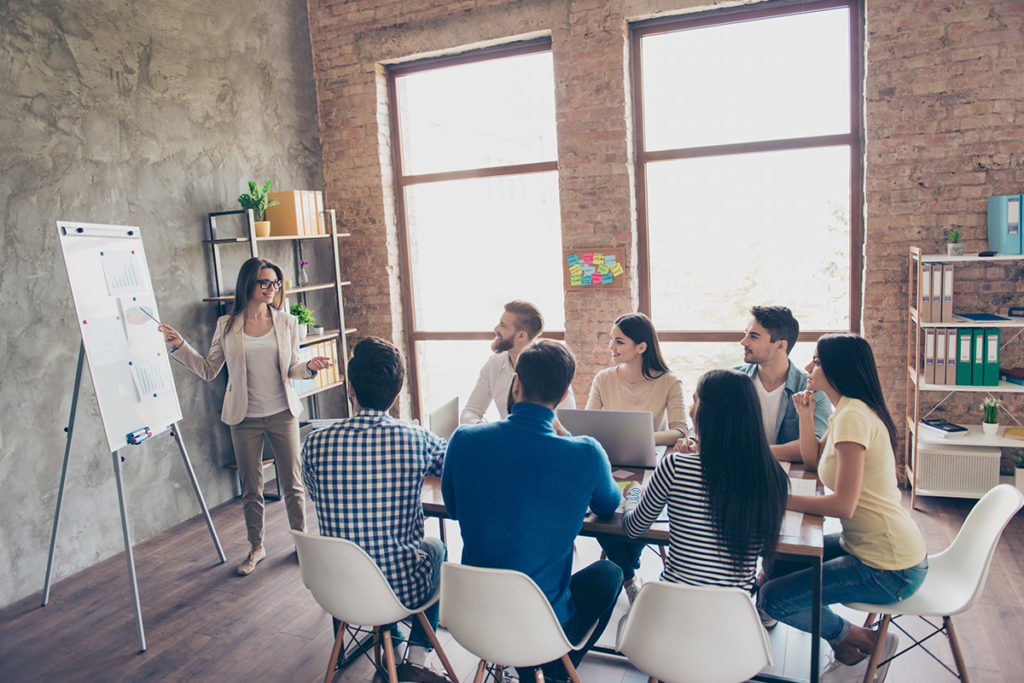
(697, 555)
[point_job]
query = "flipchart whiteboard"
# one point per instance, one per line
(113, 297)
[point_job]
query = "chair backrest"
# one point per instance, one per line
(969, 556)
(346, 581)
(701, 634)
(500, 615)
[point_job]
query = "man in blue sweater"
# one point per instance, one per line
(547, 480)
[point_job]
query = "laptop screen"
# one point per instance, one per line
(626, 435)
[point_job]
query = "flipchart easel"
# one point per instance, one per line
(116, 311)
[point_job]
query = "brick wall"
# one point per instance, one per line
(944, 93)
(945, 111)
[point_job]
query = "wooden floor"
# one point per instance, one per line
(205, 623)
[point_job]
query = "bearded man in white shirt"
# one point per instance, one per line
(519, 325)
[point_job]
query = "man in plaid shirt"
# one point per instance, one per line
(365, 475)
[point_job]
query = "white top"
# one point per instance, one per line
(263, 376)
(771, 402)
(494, 383)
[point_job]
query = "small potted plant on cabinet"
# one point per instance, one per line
(1018, 468)
(955, 246)
(990, 409)
(305, 318)
(258, 201)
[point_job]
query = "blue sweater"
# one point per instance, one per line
(520, 492)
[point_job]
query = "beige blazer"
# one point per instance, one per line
(227, 347)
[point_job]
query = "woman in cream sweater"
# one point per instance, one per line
(639, 380)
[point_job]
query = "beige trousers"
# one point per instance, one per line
(282, 429)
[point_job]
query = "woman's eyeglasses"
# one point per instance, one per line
(269, 284)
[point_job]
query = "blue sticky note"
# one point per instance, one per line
(589, 270)
(586, 279)
(609, 260)
(606, 278)
(573, 259)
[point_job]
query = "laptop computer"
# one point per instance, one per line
(445, 419)
(626, 435)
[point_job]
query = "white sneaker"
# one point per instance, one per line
(837, 672)
(768, 621)
(632, 588)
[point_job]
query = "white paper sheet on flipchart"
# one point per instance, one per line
(792, 520)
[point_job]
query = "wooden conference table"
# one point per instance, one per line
(801, 540)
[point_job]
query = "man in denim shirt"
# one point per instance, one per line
(770, 336)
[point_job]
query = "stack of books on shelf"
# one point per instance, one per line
(938, 428)
(299, 213)
(326, 377)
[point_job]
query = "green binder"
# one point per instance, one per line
(978, 354)
(991, 372)
(964, 337)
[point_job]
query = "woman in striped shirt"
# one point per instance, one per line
(725, 503)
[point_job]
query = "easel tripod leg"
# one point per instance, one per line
(199, 493)
(129, 555)
(63, 472)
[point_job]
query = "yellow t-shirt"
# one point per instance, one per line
(881, 533)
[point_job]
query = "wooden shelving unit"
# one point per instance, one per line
(314, 247)
(919, 445)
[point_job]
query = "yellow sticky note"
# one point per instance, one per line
(575, 269)
(617, 269)
(598, 259)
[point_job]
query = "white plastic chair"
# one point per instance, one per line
(956, 576)
(346, 582)
(503, 617)
(679, 633)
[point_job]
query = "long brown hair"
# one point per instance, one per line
(248, 274)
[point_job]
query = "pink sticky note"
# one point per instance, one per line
(588, 258)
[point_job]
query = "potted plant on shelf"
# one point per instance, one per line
(1018, 468)
(955, 246)
(316, 329)
(990, 409)
(258, 201)
(305, 318)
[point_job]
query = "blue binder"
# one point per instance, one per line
(1004, 219)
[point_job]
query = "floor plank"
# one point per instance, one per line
(203, 622)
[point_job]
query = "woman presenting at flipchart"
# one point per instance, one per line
(260, 344)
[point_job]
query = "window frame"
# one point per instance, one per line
(853, 139)
(402, 180)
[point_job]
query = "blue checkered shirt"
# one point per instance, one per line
(365, 475)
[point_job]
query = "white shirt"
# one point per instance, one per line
(494, 383)
(263, 376)
(771, 401)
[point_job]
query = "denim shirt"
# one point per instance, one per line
(787, 423)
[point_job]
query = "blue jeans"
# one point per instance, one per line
(626, 554)
(437, 553)
(787, 596)
(594, 591)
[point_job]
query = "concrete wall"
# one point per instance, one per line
(149, 114)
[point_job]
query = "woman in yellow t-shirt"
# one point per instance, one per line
(880, 555)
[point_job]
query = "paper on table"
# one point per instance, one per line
(791, 523)
(621, 474)
(785, 465)
(802, 487)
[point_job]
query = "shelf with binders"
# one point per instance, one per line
(964, 465)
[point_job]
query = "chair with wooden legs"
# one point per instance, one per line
(679, 633)
(956, 578)
(503, 617)
(346, 582)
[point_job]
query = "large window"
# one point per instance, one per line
(477, 192)
(749, 173)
